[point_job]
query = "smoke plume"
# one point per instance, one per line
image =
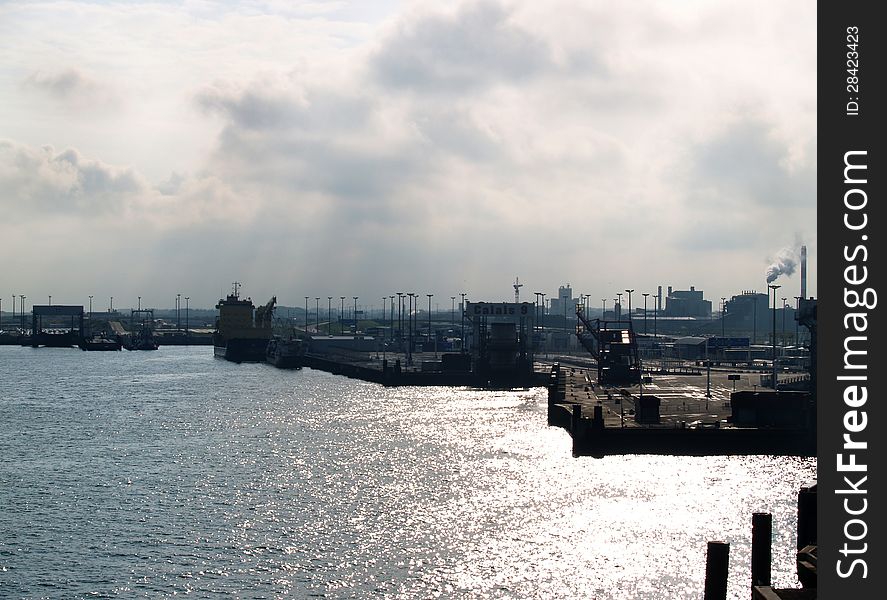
(784, 264)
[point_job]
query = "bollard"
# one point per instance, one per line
(761, 548)
(597, 421)
(576, 419)
(807, 517)
(716, 562)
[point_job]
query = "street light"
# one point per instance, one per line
(187, 332)
(22, 310)
(629, 304)
(391, 320)
(140, 303)
(429, 324)
(329, 315)
(178, 312)
(783, 326)
(306, 314)
(50, 300)
(618, 300)
(462, 333)
(543, 313)
(797, 308)
(645, 311)
(90, 305)
(317, 313)
(723, 311)
(453, 313)
(603, 308)
(774, 288)
(355, 313)
(342, 316)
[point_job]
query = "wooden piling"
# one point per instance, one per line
(716, 562)
(807, 517)
(761, 548)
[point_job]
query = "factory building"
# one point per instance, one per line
(564, 303)
(687, 303)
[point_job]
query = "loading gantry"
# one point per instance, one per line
(613, 345)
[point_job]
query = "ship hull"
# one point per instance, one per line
(241, 350)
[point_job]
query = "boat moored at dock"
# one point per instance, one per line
(240, 335)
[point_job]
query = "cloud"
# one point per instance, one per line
(45, 182)
(74, 89)
(475, 47)
(441, 149)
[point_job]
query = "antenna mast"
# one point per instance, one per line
(517, 286)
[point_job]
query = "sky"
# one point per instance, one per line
(367, 148)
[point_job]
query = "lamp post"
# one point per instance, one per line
(306, 314)
(783, 326)
(723, 311)
(429, 324)
(342, 316)
(400, 320)
(50, 300)
(462, 340)
(355, 313)
(629, 304)
(543, 313)
(140, 303)
(603, 308)
(22, 311)
(453, 313)
(410, 327)
(329, 315)
(317, 314)
(178, 312)
(797, 308)
(187, 331)
(111, 306)
(754, 325)
(645, 311)
(90, 305)
(618, 301)
(391, 320)
(774, 288)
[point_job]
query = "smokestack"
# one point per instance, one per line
(804, 272)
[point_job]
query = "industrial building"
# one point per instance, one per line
(687, 303)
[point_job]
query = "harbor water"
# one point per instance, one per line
(152, 474)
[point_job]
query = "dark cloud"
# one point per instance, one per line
(478, 46)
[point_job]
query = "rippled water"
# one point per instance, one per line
(171, 472)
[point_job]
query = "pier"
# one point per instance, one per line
(679, 414)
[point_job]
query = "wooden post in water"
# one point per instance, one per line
(806, 517)
(761, 548)
(716, 561)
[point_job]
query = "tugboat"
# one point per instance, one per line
(143, 337)
(100, 343)
(285, 354)
(238, 337)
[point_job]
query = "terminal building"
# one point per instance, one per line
(502, 338)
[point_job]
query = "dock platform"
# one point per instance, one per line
(693, 416)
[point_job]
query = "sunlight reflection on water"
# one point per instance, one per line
(211, 478)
